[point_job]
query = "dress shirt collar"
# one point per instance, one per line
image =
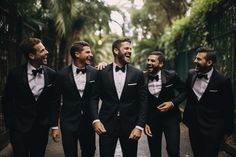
(114, 67)
(74, 68)
(30, 68)
(209, 73)
(159, 75)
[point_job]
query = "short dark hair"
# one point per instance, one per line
(116, 44)
(77, 46)
(27, 46)
(210, 53)
(161, 56)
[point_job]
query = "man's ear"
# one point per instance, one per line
(209, 62)
(116, 51)
(161, 64)
(77, 54)
(31, 56)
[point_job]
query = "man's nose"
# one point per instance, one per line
(129, 52)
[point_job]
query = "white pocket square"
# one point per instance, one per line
(91, 81)
(49, 85)
(132, 84)
(169, 85)
(213, 90)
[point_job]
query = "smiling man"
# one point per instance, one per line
(28, 101)
(163, 114)
(209, 109)
(74, 84)
(122, 116)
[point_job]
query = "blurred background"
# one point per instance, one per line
(176, 27)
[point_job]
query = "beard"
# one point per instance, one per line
(152, 70)
(201, 68)
(122, 60)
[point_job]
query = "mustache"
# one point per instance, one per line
(149, 65)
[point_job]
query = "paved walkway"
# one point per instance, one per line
(55, 149)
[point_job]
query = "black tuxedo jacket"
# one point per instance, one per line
(73, 105)
(131, 106)
(21, 110)
(170, 84)
(214, 111)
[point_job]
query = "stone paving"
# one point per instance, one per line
(56, 150)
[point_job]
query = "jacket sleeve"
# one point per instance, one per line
(142, 96)
(181, 88)
(94, 98)
(8, 99)
(228, 108)
(55, 100)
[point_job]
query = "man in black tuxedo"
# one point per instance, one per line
(163, 112)
(74, 85)
(209, 109)
(123, 111)
(29, 105)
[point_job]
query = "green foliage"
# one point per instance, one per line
(101, 52)
(156, 15)
(142, 49)
(73, 15)
(30, 11)
(189, 32)
(151, 21)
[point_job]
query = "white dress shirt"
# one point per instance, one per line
(154, 86)
(200, 85)
(119, 79)
(80, 80)
(37, 82)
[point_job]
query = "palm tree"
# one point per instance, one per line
(74, 18)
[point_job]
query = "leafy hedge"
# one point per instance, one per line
(189, 32)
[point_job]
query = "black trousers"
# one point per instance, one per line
(85, 135)
(171, 130)
(108, 142)
(205, 144)
(29, 144)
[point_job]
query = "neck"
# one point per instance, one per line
(79, 64)
(207, 70)
(118, 63)
(154, 73)
(35, 65)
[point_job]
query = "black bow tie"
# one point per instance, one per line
(40, 70)
(80, 70)
(200, 76)
(122, 69)
(151, 77)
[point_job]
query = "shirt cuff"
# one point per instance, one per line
(139, 127)
(172, 104)
(55, 127)
(96, 120)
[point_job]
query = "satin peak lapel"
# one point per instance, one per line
(72, 80)
(88, 73)
(128, 77)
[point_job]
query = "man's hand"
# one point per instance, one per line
(230, 139)
(166, 106)
(135, 134)
(101, 65)
(148, 131)
(55, 133)
(99, 128)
